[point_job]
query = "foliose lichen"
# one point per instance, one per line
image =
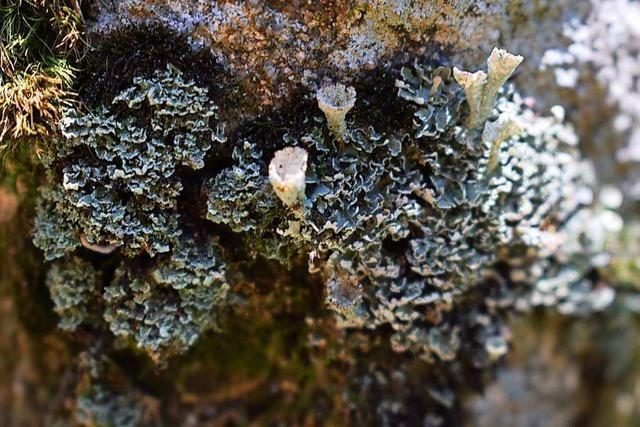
(102, 407)
(99, 402)
(409, 225)
(165, 308)
(119, 168)
(72, 284)
(243, 198)
(427, 229)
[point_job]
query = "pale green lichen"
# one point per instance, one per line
(495, 133)
(344, 295)
(287, 174)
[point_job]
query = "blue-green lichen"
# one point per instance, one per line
(72, 284)
(427, 227)
(99, 406)
(242, 198)
(164, 309)
(408, 224)
(103, 396)
(119, 167)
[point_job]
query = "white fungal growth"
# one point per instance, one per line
(336, 101)
(287, 174)
(495, 133)
(481, 89)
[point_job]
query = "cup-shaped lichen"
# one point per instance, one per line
(473, 85)
(336, 101)
(481, 89)
(287, 173)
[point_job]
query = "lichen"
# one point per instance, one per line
(495, 133)
(454, 223)
(421, 233)
(335, 101)
(242, 198)
(600, 68)
(482, 88)
(100, 402)
(335, 262)
(119, 168)
(72, 284)
(102, 407)
(287, 172)
(401, 222)
(164, 309)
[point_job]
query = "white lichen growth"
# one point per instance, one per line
(481, 89)
(336, 101)
(287, 174)
(495, 133)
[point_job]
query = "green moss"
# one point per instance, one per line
(139, 51)
(41, 39)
